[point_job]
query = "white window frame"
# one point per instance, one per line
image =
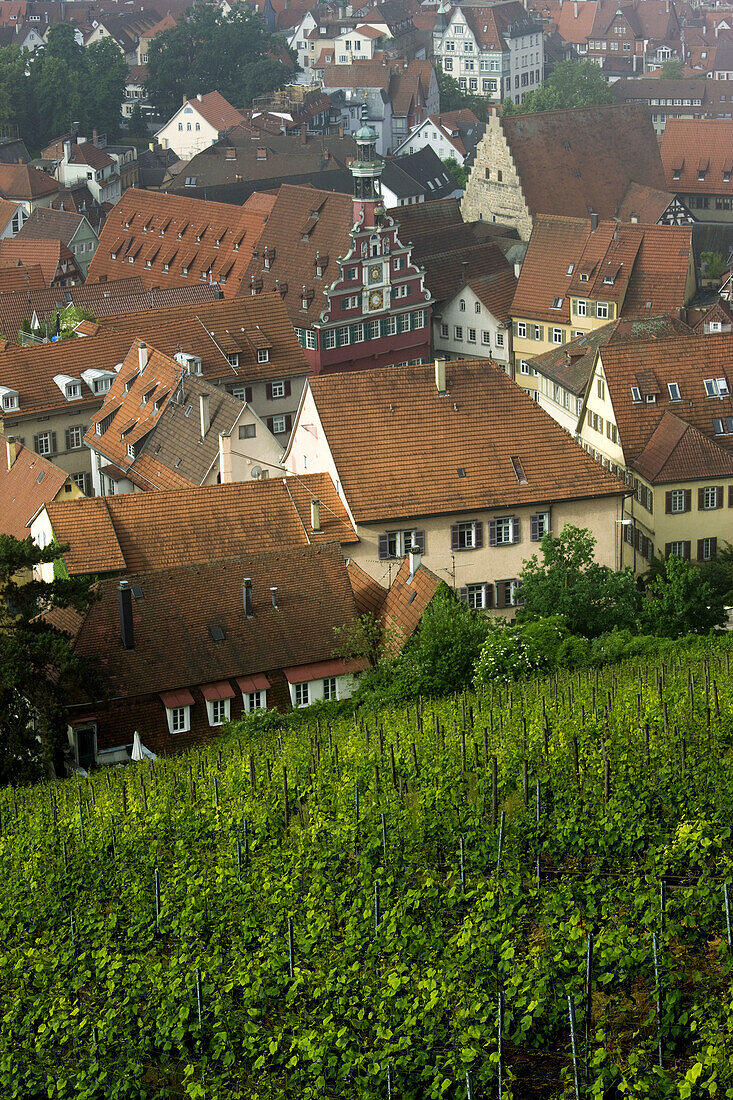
(581, 308)
(504, 530)
(277, 421)
(476, 596)
(44, 443)
(179, 719)
(709, 498)
(301, 694)
(467, 534)
(602, 311)
(219, 711)
(678, 497)
(277, 389)
(330, 688)
(263, 356)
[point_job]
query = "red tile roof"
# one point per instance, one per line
(581, 160)
(139, 531)
(20, 181)
(686, 360)
(174, 647)
(574, 21)
(155, 230)
(216, 110)
(649, 266)
(692, 148)
(677, 451)
(25, 486)
(405, 602)
(490, 24)
(21, 277)
(56, 259)
(643, 204)
(400, 458)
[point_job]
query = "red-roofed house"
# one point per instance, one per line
(27, 482)
(697, 155)
(85, 162)
(197, 124)
(452, 135)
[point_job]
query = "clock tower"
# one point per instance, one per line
(366, 170)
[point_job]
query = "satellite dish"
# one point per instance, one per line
(256, 471)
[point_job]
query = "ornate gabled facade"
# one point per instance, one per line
(365, 307)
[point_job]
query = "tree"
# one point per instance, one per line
(38, 667)
(571, 84)
(682, 601)
(233, 54)
(568, 581)
(105, 84)
(453, 97)
(672, 69)
(458, 171)
(442, 654)
(137, 125)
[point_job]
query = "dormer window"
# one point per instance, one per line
(676, 173)
(609, 280)
(263, 355)
(102, 385)
(73, 390)
(130, 450)
(571, 269)
(584, 277)
(10, 399)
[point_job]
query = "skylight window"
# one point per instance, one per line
(557, 303)
(716, 387)
(518, 469)
(636, 395)
(674, 391)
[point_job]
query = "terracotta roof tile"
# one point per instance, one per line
(677, 451)
(46, 223)
(405, 602)
(21, 277)
(217, 111)
(152, 218)
(29, 483)
(686, 360)
(401, 457)
(20, 181)
(643, 204)
(368, 593)
(167, 529)
(48, 253)
(649, 266)
(692, 148)
(581, 160)
(174, 646)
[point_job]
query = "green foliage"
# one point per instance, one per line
(713, 265)
(62, 83)
(458, 171)
(672, 69)
(69, 318)
(567, 581)
(682, 601)
(38, 669)
(137, 125)
(209, 51)
(99, 991)
(453, 97)
(365, 637)
(515, 652)
(571, 84)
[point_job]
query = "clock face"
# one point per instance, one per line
(376, 298)
(375, 273)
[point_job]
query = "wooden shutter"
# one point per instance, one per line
(53, 443)
(492, 532)
(383, 547)
(514, 328)
(688, 499)
(516, 529)
(700, 549)
(686, 547)
(35, 443)
(268, 391)
(719, 496)
(270, 423)
(288, 423)
(463, 594)
(488, 594)
(287, 387)
(454, 536)
(534, 528)
(700, 499)
(713, 547)
(667, 549)
(501, 594)
(668, 503)
(418, 540)
(478, 534)
(67, 437)
(248, 394)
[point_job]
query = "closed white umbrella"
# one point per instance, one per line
(137, 748)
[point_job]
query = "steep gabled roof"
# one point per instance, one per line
(643, 204)
(492, 25)
(48, 253)
(215, 109)
(574, 21)
(581, 160)
(45, 223)
(401, 457)
(677, 451)
(698, 155)
(25, 487)
(139, 531)
(686, 360)
(20, 181)
(167, 234)
(174, 643)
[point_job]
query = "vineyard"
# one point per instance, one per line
(520, 894)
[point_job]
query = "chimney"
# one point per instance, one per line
(204, 413)
(199, 97)
(303, 134)
(273, 593)
(315, 514)
(185, 99)
(440, 376)
(67, 151)
(12, 449)
(593, 222)
(142, 356)
(575, 9)
(124, 604)
(464, 270)
(247, 597)
(94, 137)
(225, 458)
(414, 557)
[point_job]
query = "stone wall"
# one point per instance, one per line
(489, 197)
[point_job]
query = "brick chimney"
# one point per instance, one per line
(142, 357)
(204, 414)
(124, 605)
(247, 597)
(440, 380)
(11, 447)
(315, 514)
